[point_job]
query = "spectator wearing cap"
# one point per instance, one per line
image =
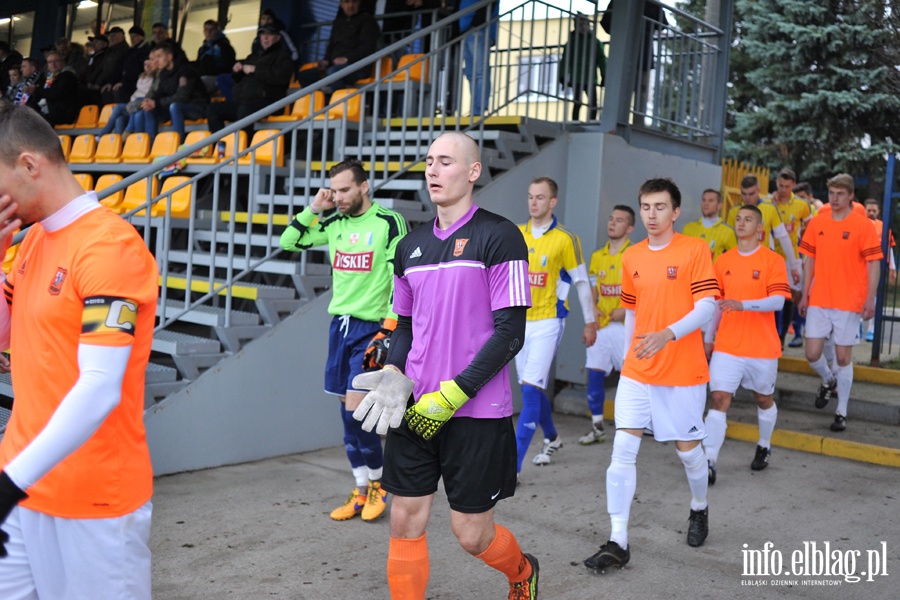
(132, 65)
(259, 80)
(179, 93)
(94, 75)
(268, 17)
(57, 98)
(112, 65)
(354, 36)
(9, 58)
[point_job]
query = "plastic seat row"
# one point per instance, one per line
(135, 194)
(418, 72)
(92, 116)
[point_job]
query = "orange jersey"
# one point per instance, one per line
(879, 231)
(753, 277)
(91, 282)
(841, 250)
(661, 286)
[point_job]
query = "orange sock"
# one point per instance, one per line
(408, 568)
(505, 555)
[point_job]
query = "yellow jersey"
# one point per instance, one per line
(793, 213)
(605, 273)
(550, 256)
(720, 237)
(771, 220)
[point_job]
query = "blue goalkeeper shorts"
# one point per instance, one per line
(348, 338)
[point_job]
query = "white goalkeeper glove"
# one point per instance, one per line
(386, 402)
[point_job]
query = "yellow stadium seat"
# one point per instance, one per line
(114, 201)
(228, 150)
(165, 144)
(263, 154)
(407, 70)
(387, 65)
(83, 148)
(105, 114)
(136, 194)
(195, 136)
(136, 149)
(87, 118)
(85, 180)
(345, 102)
(66, 143)
(180, 201)
(302, 108)
(109, 149)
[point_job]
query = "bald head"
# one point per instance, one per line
(467, 147)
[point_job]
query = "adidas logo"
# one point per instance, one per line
(434, 409)
(416, 253)
(635, 276)
(693, 430)
(728, 272)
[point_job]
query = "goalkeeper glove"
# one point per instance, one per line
(384, 404)
(10, 495)
(432, 410)
(378, 348)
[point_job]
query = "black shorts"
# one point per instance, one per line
(475, 457)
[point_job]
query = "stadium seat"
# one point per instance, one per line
(302, 108)
(387, 65)
(87, 118)
(109, 149)
(263, 154)
(105, 114)
(195, 136)
(407, 70)
(83, 148)
(136, 149)
(85, 180)
(136, 194)
(180, 201)
(114, 202)
(66, 143)
(345, 102)
(228, 150)
(165, 144)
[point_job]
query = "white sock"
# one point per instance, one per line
(830, 353)
(767, 418)
(621, 479)
(821, 367)
(597, 419)
(375, 474)
(844, 381)
(697, 475)
(361, 474)
(716, 425)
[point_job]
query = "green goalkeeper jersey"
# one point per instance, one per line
(362, 256)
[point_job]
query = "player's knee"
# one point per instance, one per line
(720, 401)
(625, 448)
(474, 540)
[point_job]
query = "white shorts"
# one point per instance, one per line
(823, 322)
(608, 351)
(674, 413)
(727, 372)
(541, 341)
(76, 559)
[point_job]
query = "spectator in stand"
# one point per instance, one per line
(57, 98)
(179, 93)
(14, 75)
(94, 75)
(259, 80)
(159, 33)
(215, 56)
(267, 17)
(354, 36)
(132, 65)
(126, 115)
(476, 52)
(9, 58)
(74, 55)
(32, 80)
(582, 58)
(112, 65)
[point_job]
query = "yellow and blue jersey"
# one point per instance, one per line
(550, 257)
(793, 213)
(605, 273)
(720, 237)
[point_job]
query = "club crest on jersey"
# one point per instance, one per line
(755, 274)
(57, 282)
(360, 262)
(354, 237)
(459, 246)
(671, 272)
(845, 235)
(602, 274)
(537, 279)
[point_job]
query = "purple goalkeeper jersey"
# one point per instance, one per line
(450, 282)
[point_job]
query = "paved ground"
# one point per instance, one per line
(261, 530)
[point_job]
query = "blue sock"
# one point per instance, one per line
(528, 421)
(547, 417)
(596, 391)
(351, 445)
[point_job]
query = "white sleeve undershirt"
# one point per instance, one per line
(629, 329)
(96, 393)
(709, 336)
(781, 234)
(700, 315)
(582, 283)
(768, 304)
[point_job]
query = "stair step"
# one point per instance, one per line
(176, 343)
(426, 122)
(212, 316)
(245, 290)
(315, 182)
(160, 374)
(6, 384)
(283, 267)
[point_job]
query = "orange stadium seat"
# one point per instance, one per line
(180, 200)
(264, 153)
(109, 149)
(407, 70)
(105, 114)
(195, 136)
(85, 180)
(87, 118)
(83, 149)
(302, 108)
(165, 144)
(136, 149)
(387, 65)
(66, 143)
(346, 103)
(136, 194)
(228, 150)
(114, 201)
